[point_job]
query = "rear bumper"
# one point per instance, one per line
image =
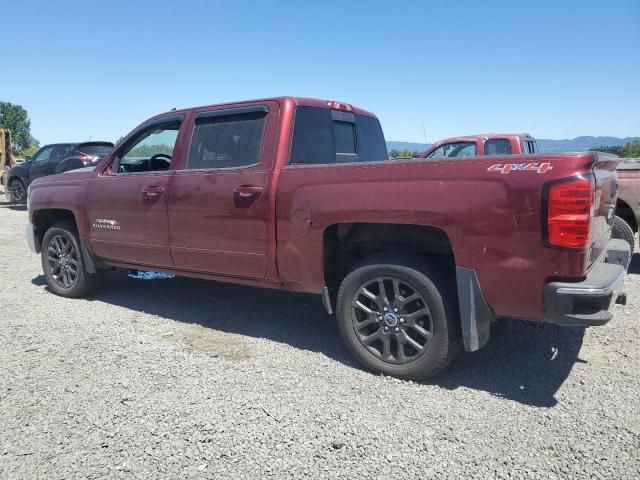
(588, 303)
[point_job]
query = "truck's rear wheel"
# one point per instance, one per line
(63, 265)
(397, 316)
(622, 230)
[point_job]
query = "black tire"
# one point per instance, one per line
(414, 276)
(17, 191)
(622, 230)
(63, 265)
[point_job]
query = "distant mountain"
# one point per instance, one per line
(412, 147)
(582, 143)
(545, 145)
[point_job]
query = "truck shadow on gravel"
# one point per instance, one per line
(523, 362)
(19, 207)
(634, 267)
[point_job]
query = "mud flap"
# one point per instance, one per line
(475, 314)
(87, 257)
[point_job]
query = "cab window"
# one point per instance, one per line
(323, 136)
(43, 154)
(529, 147)
(150, 150)
(455, 149)
(497, 146)
(226, 141)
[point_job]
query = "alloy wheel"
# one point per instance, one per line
(62, 259)
(17, 190)
(392, 320)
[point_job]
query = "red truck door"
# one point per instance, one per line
(127, 204)
(220, 201)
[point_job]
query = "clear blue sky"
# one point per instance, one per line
(555, 69)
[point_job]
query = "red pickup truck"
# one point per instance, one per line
(628, 206)
(486, 144)
(626, 222)
(417, 258)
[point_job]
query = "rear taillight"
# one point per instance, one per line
(569, 213)
(88, 159)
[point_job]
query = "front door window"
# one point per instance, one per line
(150, 151)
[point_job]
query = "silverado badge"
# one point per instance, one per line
(106, 224)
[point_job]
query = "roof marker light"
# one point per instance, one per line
(343, 107)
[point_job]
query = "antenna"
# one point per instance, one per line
(424, 132)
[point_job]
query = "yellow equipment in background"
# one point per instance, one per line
(7, 159)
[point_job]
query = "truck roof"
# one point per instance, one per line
(484, 136)
(297, 101)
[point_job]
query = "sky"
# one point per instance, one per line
(554, 69)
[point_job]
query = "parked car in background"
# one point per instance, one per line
(52, 159)
(417, 258)
(487, 144)
(628, 206)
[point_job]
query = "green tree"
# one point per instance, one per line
(607, 149)
(29, 152)
(15, 118)
(631, 150)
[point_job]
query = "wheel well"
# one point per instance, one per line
(624, 211)
(14, 177)
(43, 219)
(347, 244)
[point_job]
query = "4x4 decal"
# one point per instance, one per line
(520, 167)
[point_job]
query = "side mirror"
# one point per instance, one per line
(27, 158)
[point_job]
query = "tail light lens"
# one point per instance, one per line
(570, 213)
(88, 159)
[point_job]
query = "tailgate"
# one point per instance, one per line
(606, 194)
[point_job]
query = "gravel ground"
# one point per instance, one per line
(183, 378)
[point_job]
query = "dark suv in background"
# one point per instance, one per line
(52, 159)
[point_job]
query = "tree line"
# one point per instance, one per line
(404, 153)
(15, 119)
(630, 150)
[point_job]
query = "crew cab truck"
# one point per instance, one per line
(627, 218)
(416, 258)
(485, 144)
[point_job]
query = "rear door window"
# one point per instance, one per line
(226, 141)
(60, 152)
(497, 146)
(529, 147)
(323, 136)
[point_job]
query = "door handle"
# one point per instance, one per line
(247, 191)
(153, 191)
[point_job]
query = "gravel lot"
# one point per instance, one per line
(184, 378)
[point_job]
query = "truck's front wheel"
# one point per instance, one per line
(63, 265)
(397, 316)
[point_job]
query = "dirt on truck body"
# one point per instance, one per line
(416, 258)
